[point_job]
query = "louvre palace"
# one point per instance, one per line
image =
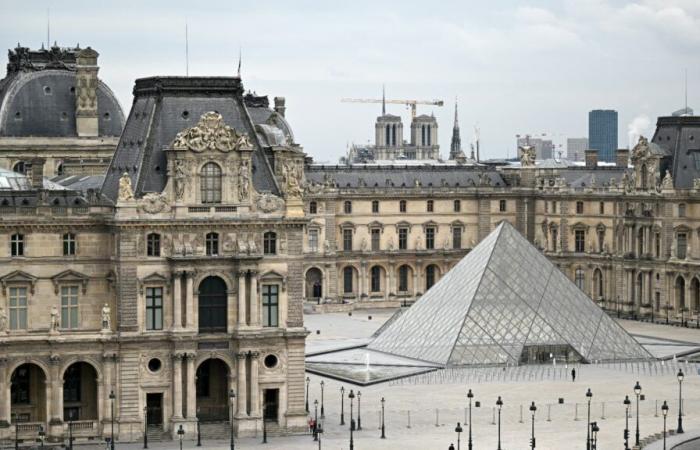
(156, 268)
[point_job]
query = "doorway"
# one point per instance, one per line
(154, 409)
(271, 404)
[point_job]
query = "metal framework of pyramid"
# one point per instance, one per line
(502, 297)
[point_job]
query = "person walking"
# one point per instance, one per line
(573, 375)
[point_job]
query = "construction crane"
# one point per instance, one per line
(409, 103)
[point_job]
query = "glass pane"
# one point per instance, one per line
(23, 318)
(74, 317)
(159, 319)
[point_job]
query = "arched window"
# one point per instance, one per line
(20, 167)
(348, 280)
(153, 244)
(598, 282)
(212, 244)
(387, 136)
(270, 243)
(211, 183)
(422, 135)
(313, 208)
(680, 293)
(403, 278)
(347, 207)
(430, 276)
(212, 305)
(393, 135)
(375, 279)
(580, 278)
(430, 138)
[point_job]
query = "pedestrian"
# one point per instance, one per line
(573, 375)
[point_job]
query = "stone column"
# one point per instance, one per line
(107, 369)
(391, 289)
(56, 384)
(189, 295)
(254, 300)
(362, 285)
(191, 387)
(254, 387)
(5, 391)
(241, 299)
(177, 386)
(242, 388)
(177, 301)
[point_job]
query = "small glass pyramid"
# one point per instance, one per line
(505, 303)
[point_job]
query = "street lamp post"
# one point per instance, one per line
(112, 397)
(342, 405)
(323, 413)
(680, 401)
(315, 419)
(499, 404)
(42, 435)
(319, 431)
(664, 412)
(533, 408)
(308, 380)
(232, 397)
(383, 435)
(589, 397)
(199, 431)
(181, 434)
(626, 434)
(359, 411)
(264, 425)
(145, 426)
(595, 429)
(458, 430)
(637, 392)
(351, 396)
(470, 396)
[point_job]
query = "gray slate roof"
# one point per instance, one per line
(164, 106)
(680, 137)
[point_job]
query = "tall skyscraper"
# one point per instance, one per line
(602, 133)
(544, 148)
(576, 148)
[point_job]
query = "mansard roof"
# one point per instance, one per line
(164, 106)
(680, 137)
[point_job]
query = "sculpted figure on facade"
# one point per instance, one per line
(242, 247)
(180, 179)
(3, 320)
(363, 244)
(154, 203)
(106, 317)
(125, 191)
(211, 133)
(328, 247)
(268, 203)
(54, 324)
(527, 156)
(291, 174)
(243, 180)
(390, 244)
(419, 243)
(667, 182)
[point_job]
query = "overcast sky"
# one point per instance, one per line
(516, 66)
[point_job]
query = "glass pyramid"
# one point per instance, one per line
(501, 302)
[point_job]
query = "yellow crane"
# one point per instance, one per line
(409, 103)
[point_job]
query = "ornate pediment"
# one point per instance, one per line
(211, 133)
(18, 277)
(69, 277)
(154, 279)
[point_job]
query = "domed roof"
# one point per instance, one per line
(39, 99)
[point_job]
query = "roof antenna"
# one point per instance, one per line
(383, 102)
(240, 57)
(686, 91)
(48, 27)
(187, 51)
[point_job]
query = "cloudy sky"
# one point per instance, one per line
(516, 66)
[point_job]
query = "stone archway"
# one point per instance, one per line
(212, 387)
(28, 394)
(213, 305)
(680, 294)
(80, 392)
(314, 284)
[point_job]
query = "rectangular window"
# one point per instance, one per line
(212, 244)
(502, 206)
(17, 245)
(375, 239)
(682, 247)
(375, 206)
(681, 210)
(457, 206)
(347, 239)
(579, 207)
(347, 207)
(347, 280)
(430, 238)
(456, 238)
(554, 207)
(657, 245)
(313, 240)
(68, 244)
(403, 238)
(403, 279)
(546, 206)
(601, 240)
(601, 208)
(313, 208)
(270, 298)
(580, 241)
(153, 244)
(69, 307)
(18, 308)
(402, 206)
(154, 308)
(429, 206)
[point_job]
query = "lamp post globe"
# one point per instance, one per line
(626, 434)
(499, 405)
(589, 397)
(637, 393)
(458, 430)
(680, 401)
(664, 412)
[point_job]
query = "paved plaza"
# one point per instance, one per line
(432, 409)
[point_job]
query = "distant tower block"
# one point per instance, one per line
(86, 117)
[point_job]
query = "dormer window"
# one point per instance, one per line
(211, 183)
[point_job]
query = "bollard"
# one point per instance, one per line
(576, 411)
(437, 417)
(409, 419)
(602, 415)
(493, 415)
(465, 415)
(656, 408)
(549, 413)
(521, 413)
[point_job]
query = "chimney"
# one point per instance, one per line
(622, 157)
(36, 175)
(279, 106)
(86, 118)
(591, 158)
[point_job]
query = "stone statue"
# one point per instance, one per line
(419, 243)
(54, 319)
(292, 179)
(125, 191)
(328, 247)
(667, 182)
(243, 180)
(363, 244)
(696, 183)
(106, 317)
(180, 179)
(390, 244)
(252, 247)
(3, 320)
(242, 246)
(210, 133)
(447, 244)
(527, 156)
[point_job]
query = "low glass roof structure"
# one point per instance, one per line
(506, 303)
